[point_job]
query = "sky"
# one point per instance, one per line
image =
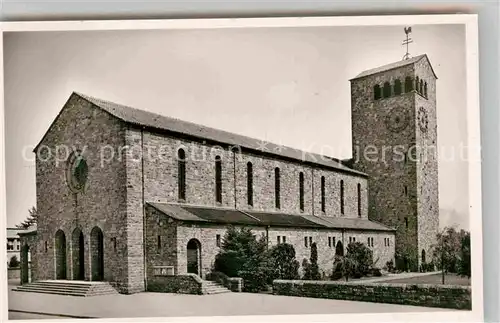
(285, 85)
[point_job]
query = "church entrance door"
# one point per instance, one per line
(194, 257)
(97, 247)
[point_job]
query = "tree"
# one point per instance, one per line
(464, 265)
(31, 220)
(315, 275)
(283, 262)
(14, 262)
(447, 249)
(243, 255)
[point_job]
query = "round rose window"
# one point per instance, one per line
(77, 172)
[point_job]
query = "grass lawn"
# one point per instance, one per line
(449, 279)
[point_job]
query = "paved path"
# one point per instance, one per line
(176, 305)
(397, 276)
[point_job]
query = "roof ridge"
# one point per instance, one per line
(390, 66)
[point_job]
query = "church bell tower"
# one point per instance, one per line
(394, 137)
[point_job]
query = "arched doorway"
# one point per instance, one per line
(78, 254)
(339, 249)
(97, 251)
(25, 265)
(423, 256)
(60, 249)
(194, 257)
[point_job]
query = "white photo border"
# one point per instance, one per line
(473, 130)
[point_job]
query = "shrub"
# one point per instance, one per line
(14, 263)
(390, 266)
(306, 269)
(362, 256)
(242, 255)
(283, 262)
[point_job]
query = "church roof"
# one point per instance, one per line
(222, 215)
(160, 122)
(394, 65)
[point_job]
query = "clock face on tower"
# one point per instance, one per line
(397, 119)
(423, 119)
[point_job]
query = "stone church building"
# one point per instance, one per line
(126, 195)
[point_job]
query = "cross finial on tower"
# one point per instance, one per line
(407, 41)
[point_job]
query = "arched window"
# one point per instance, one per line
(423, 256)
(359, 200)
(323, 207)
(301, 191)
(408, 84)
(181, 170)
(377, 92)
(417, 84)
(425, 89)
(387, 90)
(342, 197)
(397, 87)
(249, 183)
(277, 184)
(218, 179)
(422, 87)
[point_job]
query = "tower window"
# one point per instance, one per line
(301, 191)
(406, 222)
(342, 197)
(181, 169)
(425, 89)
(249, 183)
(387, 90)
(279, 239)
(159, 243)
(218, 179)
(284, 239)
(217, 240)
(277, 188)
(329, 241)
(406, 190)
(377, 92)
(417, 84)
(422, 87)
(408, 84)
(397, 87)
(323, 207)
(305, 242)
(359, 200)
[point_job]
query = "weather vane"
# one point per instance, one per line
(407, 41)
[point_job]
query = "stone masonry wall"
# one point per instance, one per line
(160, 168)
(103, 203)
(160, 241)
(427, 165)
(444, 296)
(383, 132)
(176, 235)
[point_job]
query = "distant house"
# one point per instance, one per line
(13, 243)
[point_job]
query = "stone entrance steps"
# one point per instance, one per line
(68, 287)
(210, 287)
